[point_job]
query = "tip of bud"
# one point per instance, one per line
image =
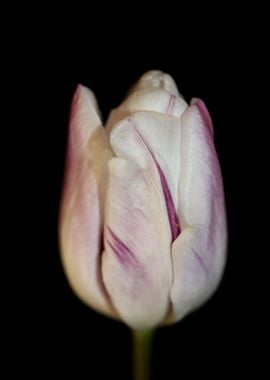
(156, 79)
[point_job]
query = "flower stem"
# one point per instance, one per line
(142, 341)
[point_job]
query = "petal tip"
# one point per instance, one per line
(78, 92)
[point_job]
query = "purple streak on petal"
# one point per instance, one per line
(122, 251)
(204, 114)
(171, 105)
(171, 211)
(172, 215)
(120, 254)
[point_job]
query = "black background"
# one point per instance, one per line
(56, 334)
(217, 54)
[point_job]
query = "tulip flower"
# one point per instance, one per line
(142, 224)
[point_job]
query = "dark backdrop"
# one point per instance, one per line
(71, 338)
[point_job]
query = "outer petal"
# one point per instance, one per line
(137, 267)
(81, 218)
(199, 252)
(155, 91)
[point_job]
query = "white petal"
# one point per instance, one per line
(137, 263)
(81, 219)
(199, 252)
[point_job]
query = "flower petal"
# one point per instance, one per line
(81, 218)
(137, 267)
(199, 252)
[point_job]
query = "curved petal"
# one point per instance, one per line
(136, 265)
(81, 218)
(199, 252)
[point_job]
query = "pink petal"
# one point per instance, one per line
(81, 219)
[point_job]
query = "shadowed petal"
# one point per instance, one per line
(81, 219)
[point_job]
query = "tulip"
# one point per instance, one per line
(142, 222)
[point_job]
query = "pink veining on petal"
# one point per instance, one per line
(121, 250)
(204, 114)
(171, 211)
(171, 105)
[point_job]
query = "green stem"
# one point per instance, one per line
(142, 340)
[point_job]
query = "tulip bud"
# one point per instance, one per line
(143, 224)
